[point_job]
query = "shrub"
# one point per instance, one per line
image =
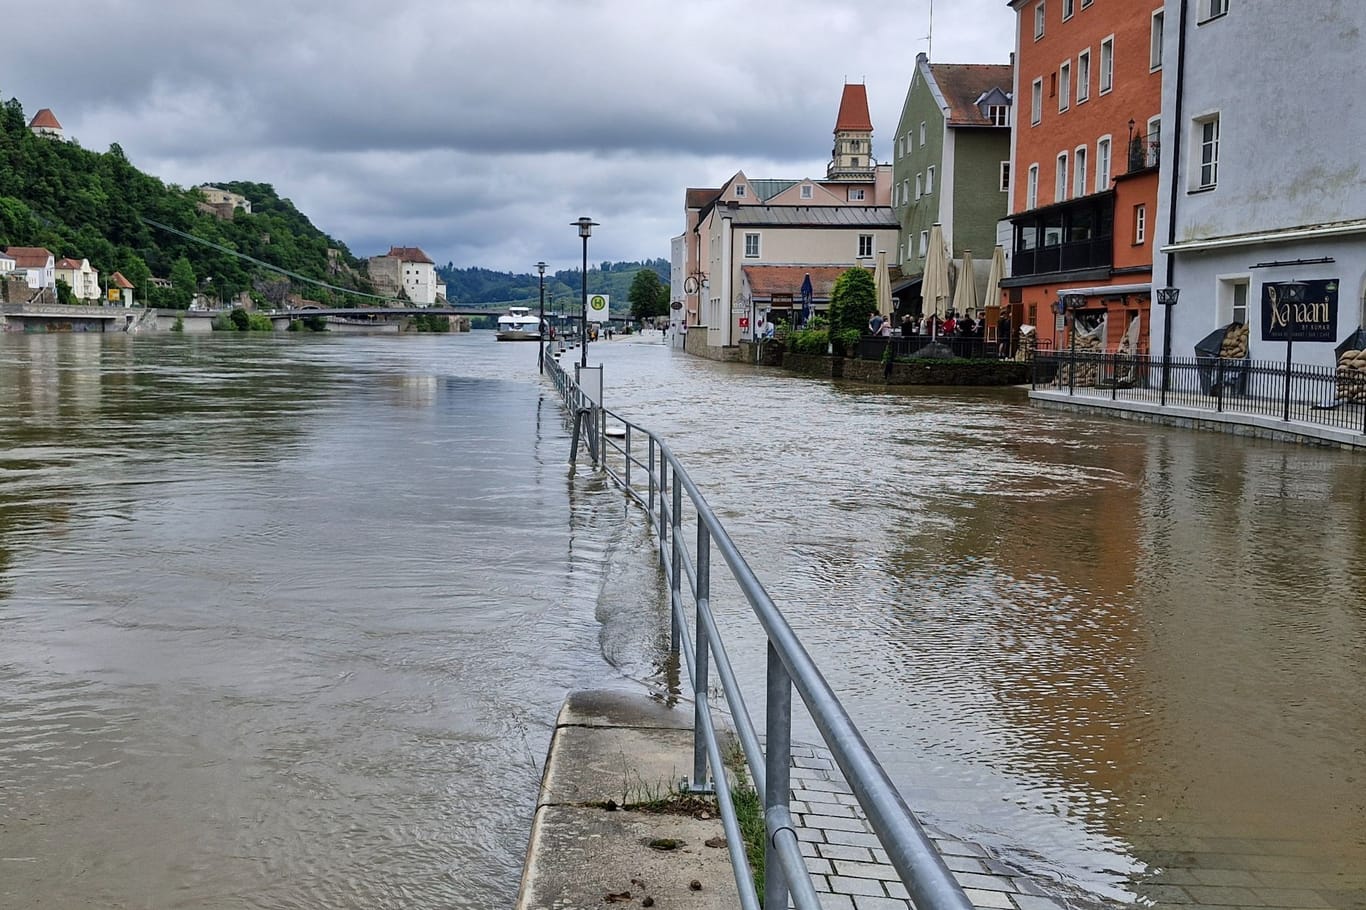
(240, 318)
(852, 299)
(259, 322)
(179, 324)
(809, 341)
(221, 323)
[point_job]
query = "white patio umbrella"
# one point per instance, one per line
(882, 281)
(965, 295)
(934, 288)
(992, 297)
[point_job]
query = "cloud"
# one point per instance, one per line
(480, 130)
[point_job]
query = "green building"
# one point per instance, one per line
(951, 164)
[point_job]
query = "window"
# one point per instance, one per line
(751, 246)
(806, 191)
(1154, 144)
(855, 194)
(1038, 20)
(1068, 8)
(1005, 176)
(1083, 75)
(739, 190)
(1085, 3)
(1232, 297)
(1060, 179)
(998, 114)
(1079, 171)
(1212, 9)
(1207, 131)
(922, 134)
(1036, 102)
(1155, 43)
(1064, 86)
(1032, 187)
(919, 185)
(865, 246)
(1102, 164)
(924, 242)
(1239, 309)
(1107, 64)
(905, 191)
(929, 180)
(1140, 224)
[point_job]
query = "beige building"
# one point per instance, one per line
(217, 198)
(83, 280)
(406, 269)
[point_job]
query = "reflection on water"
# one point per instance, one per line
(285, 622)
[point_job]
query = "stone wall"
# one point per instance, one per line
(939, 372)
(696, 343)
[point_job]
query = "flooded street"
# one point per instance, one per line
(285, 621)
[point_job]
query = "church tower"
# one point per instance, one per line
(852, 158)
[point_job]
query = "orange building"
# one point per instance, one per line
(1088, 102)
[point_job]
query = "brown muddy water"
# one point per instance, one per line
(284, 622)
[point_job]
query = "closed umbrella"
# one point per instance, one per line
(994, 276)
(935, 286)
(882, 281)
(965, 295)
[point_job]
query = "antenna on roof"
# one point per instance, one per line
(929, 47)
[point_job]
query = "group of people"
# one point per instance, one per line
(953, 325)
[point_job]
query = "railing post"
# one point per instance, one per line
(777, 769)
(676, 583)
(652, 479)
(1114, 377)
(1219, 387)
(702, 647)
(627, 469)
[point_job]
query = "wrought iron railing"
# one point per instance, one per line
(1144, 152)
(1321, 395)
(688, 534)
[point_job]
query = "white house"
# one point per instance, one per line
(1261, 179)
(7, 264)
(37, 263)
(409, 269)
(83, 280)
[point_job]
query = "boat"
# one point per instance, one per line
(518, 324)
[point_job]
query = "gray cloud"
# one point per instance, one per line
(479, 130)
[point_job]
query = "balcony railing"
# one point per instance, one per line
(1065, 257)
(1144, 152)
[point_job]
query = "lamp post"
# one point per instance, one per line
(1167, 297)
(1073, 303)
(1291, 294)
(585, 226)
(540, 326)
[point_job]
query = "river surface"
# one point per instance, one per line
(285, 621)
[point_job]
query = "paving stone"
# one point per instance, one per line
(1226, 878)
(836, 902)
(853, 838)
(896, 889)
(984, 882)
(958, 848)
(815, 835)
(834, 823)
(1225, 897)
(844, 851)
(866, 870)
(817, 866)
(808, 848)
(801, 761)
(880, 903)
(819, 808)
(1034, 902)
(1301, 898)
(989, 899)
(826, 786)
(965, 864)
(844, 885)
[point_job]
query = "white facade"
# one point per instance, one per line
(678, 257)
(83, 280)
(1262, 179)
(7, 264)
(419, 282)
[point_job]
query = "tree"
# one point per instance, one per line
(183, 284)
(648, 295)
(852, 299)
(64, 295)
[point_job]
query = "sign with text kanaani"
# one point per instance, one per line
(1314, 319)
(597, 307)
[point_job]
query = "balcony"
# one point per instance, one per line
(1144, 152)
(1070, 236)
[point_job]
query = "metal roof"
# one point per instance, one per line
(871, 216)
(767, 189)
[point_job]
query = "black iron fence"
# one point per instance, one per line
(1319, 395)
(968, 347)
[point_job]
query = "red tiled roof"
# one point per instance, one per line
(963, 83)
(409, 254)
(767, 280)
(121, 282)
(699, 198)
(29, 257)
(68, 263)
(46, 119)
(853, 113)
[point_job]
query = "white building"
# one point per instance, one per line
(83, 280)
(409, 269)
(37, 263)
(1261, 179)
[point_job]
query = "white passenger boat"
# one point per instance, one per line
(518, 324)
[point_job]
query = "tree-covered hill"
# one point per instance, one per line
(97, 206)
(473, 286)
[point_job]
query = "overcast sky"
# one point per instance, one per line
(479, 130)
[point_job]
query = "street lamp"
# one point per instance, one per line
(1167, 297)
(540, 326)
(1073, 303)
(585, 226)
(1291, 294)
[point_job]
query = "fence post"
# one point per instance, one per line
(1114, 376)
(702, 647)
(628, 457)
(777, 769)
(1219, 387)
(676, 583)
(652, 476)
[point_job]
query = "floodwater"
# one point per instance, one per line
(285, 621)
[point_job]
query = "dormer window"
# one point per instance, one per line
(806, 191)
(998, 114)
(739, 190)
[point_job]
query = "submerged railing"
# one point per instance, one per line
(688, 534)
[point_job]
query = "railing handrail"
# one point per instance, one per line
(923, 872)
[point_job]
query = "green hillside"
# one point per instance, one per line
(97, 206)
(476, 286)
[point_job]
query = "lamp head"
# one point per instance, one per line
(1168, 296)
(540, 267)
(1074, 302)
(585, 226)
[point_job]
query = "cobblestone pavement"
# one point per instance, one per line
(851, 870)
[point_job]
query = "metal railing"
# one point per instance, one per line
(1307, 393)
(688, 535)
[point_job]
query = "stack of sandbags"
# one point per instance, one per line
(1088, 371)
(1234, 346)
(1352, 376)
